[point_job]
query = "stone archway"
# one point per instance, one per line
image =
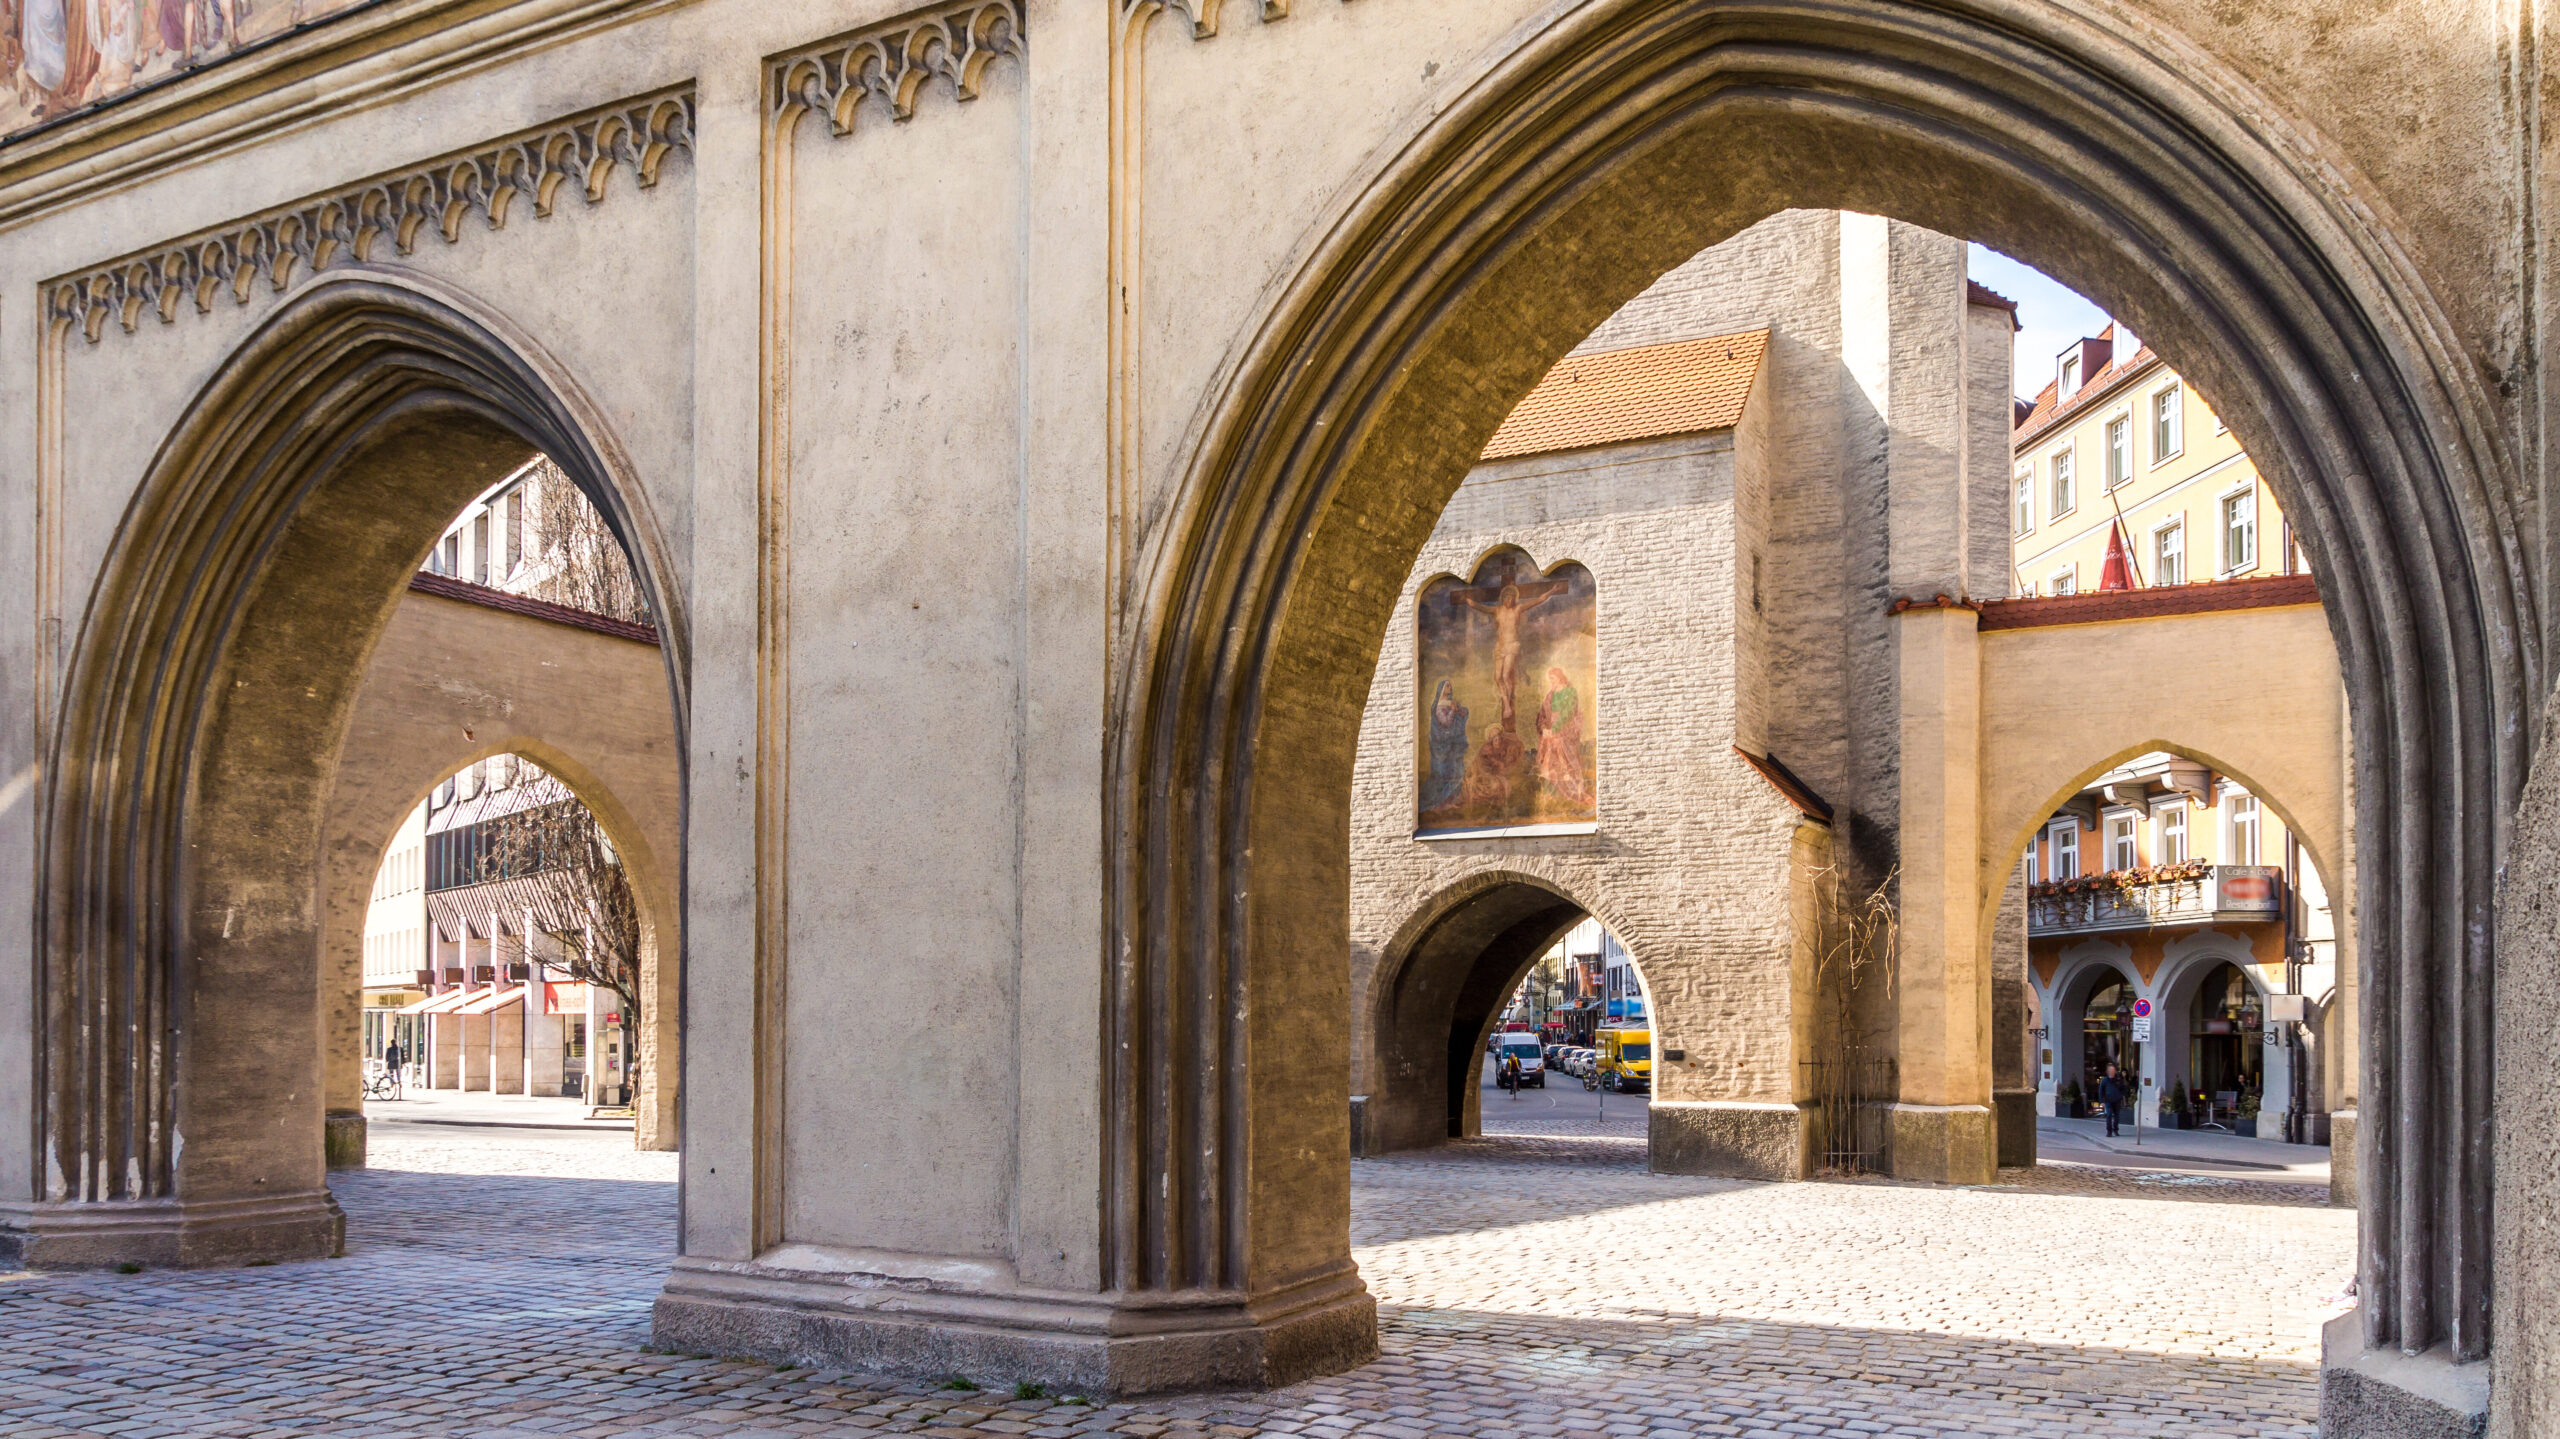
(2072, 992)
(2311, 798)
(458, 679)
(180, 925)
(2188, 969)
(1434, 999)
(1616, 141)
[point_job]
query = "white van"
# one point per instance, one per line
(1533, 1058)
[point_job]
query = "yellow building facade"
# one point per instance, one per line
(2131, 448)
(2176, 928)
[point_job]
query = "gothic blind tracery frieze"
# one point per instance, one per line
(383, 216)
(894, 62)
(1203, 14)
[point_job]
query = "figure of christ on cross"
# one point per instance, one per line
(1508, 604)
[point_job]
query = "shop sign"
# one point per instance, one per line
(2246, 888)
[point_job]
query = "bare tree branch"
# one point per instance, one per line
(577, 561)
(559, 860)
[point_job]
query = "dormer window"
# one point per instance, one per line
(2069, 383)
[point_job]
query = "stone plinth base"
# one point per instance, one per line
(1940, 1143)
(2342, 1159)
(1393, 1123)
(1089, 1344)
(2013, 1114)
(1724, 1137)
(172, 1234)
(342, 1139)
(2384, 1394)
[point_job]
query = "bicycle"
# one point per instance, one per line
(379, 1085)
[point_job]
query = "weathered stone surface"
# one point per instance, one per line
(1025, 489)
(1736, 1141)
(2397, 1396)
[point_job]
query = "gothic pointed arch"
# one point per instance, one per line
(205, 704)
(1495, 232)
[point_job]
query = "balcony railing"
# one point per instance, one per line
(2239, 893)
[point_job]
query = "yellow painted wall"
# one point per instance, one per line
(2183, 486)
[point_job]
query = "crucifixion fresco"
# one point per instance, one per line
(1508, 650)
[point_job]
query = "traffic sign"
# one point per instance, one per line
(2142, 1031)
(2142, 1009)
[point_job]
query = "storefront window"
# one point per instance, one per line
(2106, 1037)
(2224, 1057)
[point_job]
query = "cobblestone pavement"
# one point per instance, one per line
(498, 1284)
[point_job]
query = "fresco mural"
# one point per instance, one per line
(1506, 671)
(61, 55)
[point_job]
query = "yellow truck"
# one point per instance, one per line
(1624, 1059)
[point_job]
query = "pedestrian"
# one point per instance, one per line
(2111, 1094)
(1511, 1073)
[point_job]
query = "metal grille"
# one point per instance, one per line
(1850, 1091)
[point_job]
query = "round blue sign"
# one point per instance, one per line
(2142, 1009)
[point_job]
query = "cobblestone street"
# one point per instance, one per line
(498, 1283)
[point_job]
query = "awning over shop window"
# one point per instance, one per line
(496, 999)
(437, 1004)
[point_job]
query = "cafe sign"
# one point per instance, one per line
(2246, 888)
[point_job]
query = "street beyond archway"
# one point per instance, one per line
(498, 1281)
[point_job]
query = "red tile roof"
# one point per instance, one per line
(2048, 413)
(1684, 388)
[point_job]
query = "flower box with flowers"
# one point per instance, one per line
(2121, 897)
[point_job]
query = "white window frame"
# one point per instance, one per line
(2173, 845)
(2176, 394)
(2115, 442)
(2064, 581)
(2062, 843)
(2022, 500)
(2062, 490)
(2162, 535)
(2230, 563)
(2242, 817)
(2066, 374)
(2123, 840)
